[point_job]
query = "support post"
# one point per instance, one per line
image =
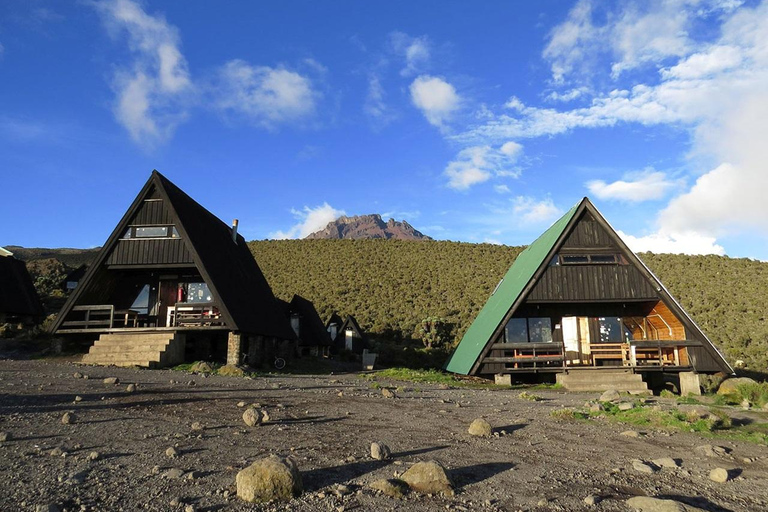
(503, 379)
(234, 348)
(689, 384)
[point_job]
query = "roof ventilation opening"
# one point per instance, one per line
(234, 230)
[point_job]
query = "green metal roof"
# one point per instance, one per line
(505, 295)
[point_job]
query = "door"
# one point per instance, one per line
(166, 299)
(349, 340)
(576, 339)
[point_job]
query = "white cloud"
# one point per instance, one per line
(375, 105)
(309, 221)
(266, 96)
(532, 211)
(501, 189)
(436, 98)
(635, 188)
(658, 243)
(415, 50)
(151, 92)
(478, 164)
(709, 62)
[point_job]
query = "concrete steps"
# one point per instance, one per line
(603, 380)
(148, 350)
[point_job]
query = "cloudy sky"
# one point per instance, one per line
(479, 122)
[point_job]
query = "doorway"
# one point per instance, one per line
(576, 340)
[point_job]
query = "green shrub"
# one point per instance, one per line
(568, 414)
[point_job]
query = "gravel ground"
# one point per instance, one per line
(327, 424)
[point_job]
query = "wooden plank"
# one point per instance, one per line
(536, 359)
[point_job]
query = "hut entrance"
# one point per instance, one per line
(576, 340)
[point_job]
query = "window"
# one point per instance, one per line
(540, 330)
(602, 258)
(517, 330)
(574, 259)
(151, 232)
(611, 329)
(198, 292)
(141, 303)
(595, 259)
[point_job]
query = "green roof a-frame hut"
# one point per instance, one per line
(579, 298)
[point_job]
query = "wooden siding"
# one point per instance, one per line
(154, 251)
(152, 212)
(588, 233)
(592, 283)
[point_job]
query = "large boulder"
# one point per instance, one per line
(610, 395)
(201, 367)
(480, 428)
(252, 417)
(428, 478)
(728, 387)
(380, 451)
(648, 504)
(268, 479)
(231, 370)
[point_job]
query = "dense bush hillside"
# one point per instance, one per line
(391, 285)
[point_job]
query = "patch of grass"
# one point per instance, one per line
(430, 377)
(544, 386)
(375, 385)
(688, 400)
(529, 396)
(665, 393)
(568, 414)
(756, 394)
(183, 367)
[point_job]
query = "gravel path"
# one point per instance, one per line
(327, 424)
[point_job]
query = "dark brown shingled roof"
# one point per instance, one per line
(17, 292)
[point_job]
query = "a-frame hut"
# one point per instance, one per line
(19, 302)
(578, 302)
(350, 337)
(309, 328)
(172, 279)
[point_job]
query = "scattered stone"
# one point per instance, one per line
(270, 478)
(5, 436)
(730, 386)
(174, 473)
(480, 428)
(252, 417)
(131, 388)
(201, 367)
(648, 504)
(77, 375)
(49, 507)
(342, 490)
(191, 383)
(380, 451)
(111, 380)
(719, 475)
(231, 370)
(596, 407)
(392, 488)
(68, 418)
(190, 508)
(542, 502)
(665, 462)
(610, 395)
(94, 455)
(192, 475)
(630, 433)
(58, 452)
(745, 404)
(428, 478)
(265, 416)
(592, 500)
(387, 393)
(175, 502)
(643, 467)
(241, 404)
(78, 398)
(626, 406)
(172, 452)
(197, 426)
(709, 450)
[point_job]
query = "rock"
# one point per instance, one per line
(189, 508)
(77, 375)
(626, 406)
(265, 416)
(380, 451)
(94, 455)
(428, 478)
(201, 367)
(630, 433)
(596, 407)
(709, 450)
(342, 490)
(729, 386)
(610, 395)
(111, 380)
(745, 404)
(58, 452)
(387, 393)
(68, 418)
(647, 504)
(5, 436)
(174, 473)
(78, 398)
(719, 475)
(197, 426)
(192, 475)
(252, 417)
(480, 428)
(592, 500)
(175, 502)
(49, 507)
(241, 404)
(665, 462)
(643, 467)
(231, 370)
(393, 488)
(270, 478)
(172, 452)
(131, 388)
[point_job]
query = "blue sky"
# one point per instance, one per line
(479, 122)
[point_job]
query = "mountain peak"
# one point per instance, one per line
(368, 226)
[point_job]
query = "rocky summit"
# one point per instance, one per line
(368, 226)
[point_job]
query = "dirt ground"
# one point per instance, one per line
(327, 424)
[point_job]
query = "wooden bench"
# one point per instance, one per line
(612, 351)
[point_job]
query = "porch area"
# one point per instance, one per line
(107, 318)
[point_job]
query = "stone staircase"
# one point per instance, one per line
(148, 350)
(603, 380)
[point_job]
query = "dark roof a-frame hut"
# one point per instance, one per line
(305, 319)
(350, 336)
(182, 235)
(18, 298)
(579, 297)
